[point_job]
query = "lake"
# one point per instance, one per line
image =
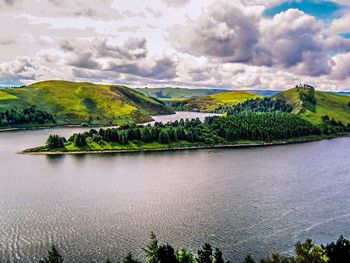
(252, 200)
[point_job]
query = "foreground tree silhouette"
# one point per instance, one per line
(218, 257)
(309, 252)
(52, 257)
(166, 254)
(249, 259)
(130, 259)
(339, 251)
(205, 254)
(185, 256)
(151, 249)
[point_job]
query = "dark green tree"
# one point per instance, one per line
(185, 256)
(129, 259)
(218, 257)
(151, 249)
(339, 251)
(55, 141)
(80, 140)
(205, 254)
(164, 137)
(249, 259)
(52, 257)
(166, 254)
(309, 252)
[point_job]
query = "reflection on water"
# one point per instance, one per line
(55, 158)
(244, 201)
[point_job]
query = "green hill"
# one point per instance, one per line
(213, 102)
(74, 103)
(312, 105)
(176, 94)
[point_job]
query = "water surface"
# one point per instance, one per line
(252, 200)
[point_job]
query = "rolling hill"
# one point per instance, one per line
(74, 103)
(312, 105)
(176, 94)
(213, 102)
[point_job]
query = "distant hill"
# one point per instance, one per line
(215, 101)
(75, 103)
(312, 105)
(176, 94)
(265, 93)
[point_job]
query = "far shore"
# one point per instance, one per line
(184, 148)
(57, 126)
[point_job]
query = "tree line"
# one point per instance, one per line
(304, 252)
(247, 125)
(258, 105)
(254, 126)
(25, 116)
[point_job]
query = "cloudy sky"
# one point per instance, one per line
(241, 44)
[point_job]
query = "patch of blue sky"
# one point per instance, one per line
(5, 84)
(345, 35)
(321, 9)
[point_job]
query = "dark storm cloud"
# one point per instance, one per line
(223, 32)
(164, 68)
(84, 60)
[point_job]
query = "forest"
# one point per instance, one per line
(244, 126)
(25, 116)
(304, 252)
(258, 105)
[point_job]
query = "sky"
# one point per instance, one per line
(240, 44)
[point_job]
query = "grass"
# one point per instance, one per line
(73, 103)
(134, 146)
(176, 94)
(110, 146)
(6, 96)
(212, 102)
(331, 104)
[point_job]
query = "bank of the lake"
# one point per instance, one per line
(184, 146)
(247, 129)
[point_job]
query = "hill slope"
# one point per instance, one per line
(312, 105)
(75, 103)
(176, 94)
(213, 102)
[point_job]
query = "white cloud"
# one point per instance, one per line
(340, 25)
(213, 43)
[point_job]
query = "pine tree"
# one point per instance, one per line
(218, 257)
(205, 254)
(249, 259)
(166, 254)
(152, 249)
(129, 259)
(52, 257)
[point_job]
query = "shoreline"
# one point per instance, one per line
(44, 127)
(184, 148)
(58, 126)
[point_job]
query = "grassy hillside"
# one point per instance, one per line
(76, 103)
(176, 94)
(212, 102)
(334, 105)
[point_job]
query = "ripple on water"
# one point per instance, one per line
(257, 200)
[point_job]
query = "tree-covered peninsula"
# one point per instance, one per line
(243, 128)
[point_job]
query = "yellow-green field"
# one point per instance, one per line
(217, 100)
(75, 103)
(331, 104)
